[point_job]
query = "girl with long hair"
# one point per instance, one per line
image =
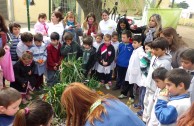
(84, 107)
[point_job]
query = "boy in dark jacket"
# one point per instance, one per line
(70, 49)
(89, 54)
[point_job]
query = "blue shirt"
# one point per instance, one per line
(124, 54)
(118, 114)
(6, 120)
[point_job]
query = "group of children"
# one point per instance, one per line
(142, 59)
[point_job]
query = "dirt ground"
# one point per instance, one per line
(187, 33)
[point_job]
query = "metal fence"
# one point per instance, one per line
(64, 5)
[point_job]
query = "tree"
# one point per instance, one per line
(94, 6)
(183, 5)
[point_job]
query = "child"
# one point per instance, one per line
(187, 61)
(39, 56)
(121, 26)
(174, 101)
(158, 76)
(24, 44)
(133, 74)
(115, 44)
(2, 53)
(96, 44)
(10, 100)
(144, 66)
(105, 57)
(14, 29)
(90, 26)
(24, 76)
(71, 25)
(70, 49)
(89, 55)
(87, 108)
(160, 59)
(53, 59)
(99, 40)
(41, 26)
(37, 113)
(150, 31)
(124, 52)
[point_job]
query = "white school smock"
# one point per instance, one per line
(133, 74)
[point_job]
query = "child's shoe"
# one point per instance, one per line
(122, 96)
(107, 86)
(140, 113)
(131, 100)
(136, 106)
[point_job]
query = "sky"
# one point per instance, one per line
(190, 2)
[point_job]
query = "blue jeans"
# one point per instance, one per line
(142, 91)
(53, 77)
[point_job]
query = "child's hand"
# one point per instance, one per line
(78, 26)
(70, 28)
(40, 61)
(30, 72)
(133, 27)
(55, 67)
(24, 85)
(164, 92)
(105, 63)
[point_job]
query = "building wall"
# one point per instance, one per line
(3, 8)
(20, 11)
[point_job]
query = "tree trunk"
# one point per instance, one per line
(94, 6)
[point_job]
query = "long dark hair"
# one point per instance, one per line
(3, 25)
(125, 21)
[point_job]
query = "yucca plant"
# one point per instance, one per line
(53, 96)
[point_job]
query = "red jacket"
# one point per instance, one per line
(53, 56)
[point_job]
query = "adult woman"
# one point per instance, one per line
(176, 45)
(150, 31)
(85, 107)
(56, 24)
(3, 32)
(90, 25)
(107, 26)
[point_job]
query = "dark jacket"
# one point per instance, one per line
(108, 56)
(22, 76)
(89, 60)
(68, 52)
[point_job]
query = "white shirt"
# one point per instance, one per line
(107, 27)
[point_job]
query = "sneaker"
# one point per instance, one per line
(115, 88)
(131, 100)
(110, 83)
(140, 113)
(136, 106)
(107, 86)
(122, 96)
